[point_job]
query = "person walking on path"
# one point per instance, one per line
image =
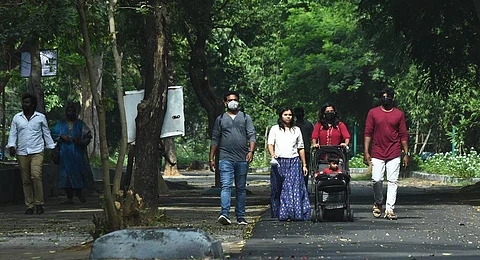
(307, 129)
(73, 136)
(29, 135)
(385, 128)
(329, 130)
(289, 197)
(234, 135)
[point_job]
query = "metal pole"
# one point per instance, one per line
(354, 139)
(453, 140)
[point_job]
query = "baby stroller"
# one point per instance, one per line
(337, 186)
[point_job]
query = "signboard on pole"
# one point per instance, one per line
(48, 59)
(174, 120)
(131, 101)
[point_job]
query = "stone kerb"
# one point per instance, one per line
(153, 243)
(440, 178)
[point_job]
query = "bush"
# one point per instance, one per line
(357, 161)
(462, 166)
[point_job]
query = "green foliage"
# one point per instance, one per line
(328, 59)
(190, 149)
(357, 161)
(112, 161)
(440, 38)
(463, 166)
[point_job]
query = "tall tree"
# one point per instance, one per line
(442, 37)
(151, 110)
(198, 28)
(119, 87)
(113, 219)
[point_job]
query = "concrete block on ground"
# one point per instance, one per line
(156, 243)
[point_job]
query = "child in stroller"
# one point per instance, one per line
(331, 169)
(331, 184)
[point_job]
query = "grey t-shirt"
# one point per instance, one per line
(233, 135)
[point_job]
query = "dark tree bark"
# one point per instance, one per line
(8, 63)
(151, 110)
(88, 113)
(199, 15)
(170, 156)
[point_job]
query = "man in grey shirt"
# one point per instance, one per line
(234, 136)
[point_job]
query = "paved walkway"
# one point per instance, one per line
(62, 232)
(434, 222)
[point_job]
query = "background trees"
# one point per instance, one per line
(274, 52)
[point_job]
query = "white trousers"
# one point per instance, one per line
(392, 167)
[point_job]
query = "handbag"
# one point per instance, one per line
(56, 154)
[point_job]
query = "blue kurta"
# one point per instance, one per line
(72, 170)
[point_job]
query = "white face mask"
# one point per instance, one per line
(232, 105)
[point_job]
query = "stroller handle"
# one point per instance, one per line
(338, 147)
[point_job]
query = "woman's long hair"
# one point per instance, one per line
(322, 119)
(280, 121)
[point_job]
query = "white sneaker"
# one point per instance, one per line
(224, 220)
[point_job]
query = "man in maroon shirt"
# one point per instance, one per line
(385, 128)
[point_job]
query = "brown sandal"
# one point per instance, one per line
(377, 210)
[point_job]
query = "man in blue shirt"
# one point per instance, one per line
(29, 134)
(234, 136)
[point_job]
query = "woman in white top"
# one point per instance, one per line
(289, 196)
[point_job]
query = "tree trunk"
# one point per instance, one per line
(34, 82)
(89, 114)
(121, 107)
(426, 141)
(477, 10)
(417, 136)
(7, 64)
(152, 109)
(171, 166)
(113, 219)
(200, 19)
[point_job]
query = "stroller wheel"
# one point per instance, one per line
(350, 215)
(320, 214)
(345, 215)
(313, 215)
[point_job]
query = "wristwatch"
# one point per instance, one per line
(408, 154)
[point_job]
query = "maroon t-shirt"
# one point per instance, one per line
(387, 130)
(330, 136)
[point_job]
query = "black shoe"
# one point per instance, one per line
(224, 220)
(242, 221)
(29, 211)
(39, 209)
(82, 199)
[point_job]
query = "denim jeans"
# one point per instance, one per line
(230, 171)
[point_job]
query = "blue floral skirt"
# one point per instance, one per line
(289, 196)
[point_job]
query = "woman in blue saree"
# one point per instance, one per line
(73, 136)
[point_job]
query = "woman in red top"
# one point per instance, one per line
(329, 130)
